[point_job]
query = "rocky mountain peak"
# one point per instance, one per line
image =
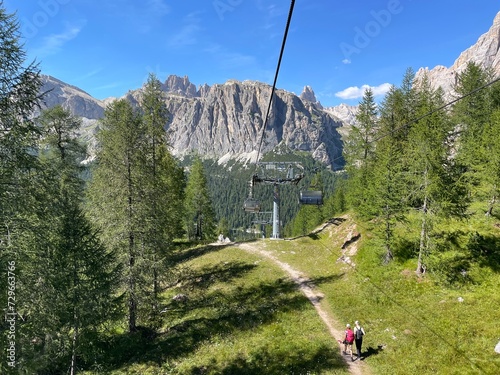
(485, 52)
(308, 94)
(180, 86)
(344, 112)
(79, 102)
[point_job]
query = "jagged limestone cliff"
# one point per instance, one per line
(485, 52)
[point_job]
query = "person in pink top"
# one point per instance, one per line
(348, 340)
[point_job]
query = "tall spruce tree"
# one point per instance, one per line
(19, 91)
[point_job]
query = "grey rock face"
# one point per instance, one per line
(485, 52)
(180, 86)
(229, 120)
(77, 101)
(223, 121)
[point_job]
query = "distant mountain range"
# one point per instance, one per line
(225, 121)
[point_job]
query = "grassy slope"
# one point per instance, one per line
(244, 316)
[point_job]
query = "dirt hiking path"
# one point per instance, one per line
(307, 288)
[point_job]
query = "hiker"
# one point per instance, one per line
(359, 332)
(348, 340)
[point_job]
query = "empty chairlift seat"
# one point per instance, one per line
(251, 205)
(311, 197)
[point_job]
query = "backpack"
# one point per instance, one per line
(359, 334)
(350, 335)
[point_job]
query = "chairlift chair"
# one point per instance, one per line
(251, 205)
(311, 197)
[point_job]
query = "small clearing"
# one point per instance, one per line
(308, 289)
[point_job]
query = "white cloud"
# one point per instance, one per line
(188, 34)
(158, 7)
(52, 44)
(228, 59)
(355, 92)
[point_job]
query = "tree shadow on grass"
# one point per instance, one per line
(183, 255)
(271, 363)
(218, 313)
(223, 272)
(180, 256)
(485, 249)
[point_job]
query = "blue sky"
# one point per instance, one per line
(337, 47)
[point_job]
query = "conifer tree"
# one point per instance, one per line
(359, 154)
(19, 91)
(200, 217)
(476, 123)
(115, 194)
(76, 276)
(470, 114)
(136, 196)
(163, 187)
(427, 158)
(388, 171)
(491, 149)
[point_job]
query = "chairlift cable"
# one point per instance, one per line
(275, 80)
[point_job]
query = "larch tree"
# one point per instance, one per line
(199, 213)
(491, 150)
(388, 171)
(115, 194)
(136, 196)
(427, 159)
(472, 114)
(359, 154)
(162, 201)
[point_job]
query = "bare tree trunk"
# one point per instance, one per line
(423, 235)
(388, 253)
(491, 205)
(132, 305)
(423, 230)
(73, 350)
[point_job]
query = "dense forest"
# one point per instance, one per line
(87, 249)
